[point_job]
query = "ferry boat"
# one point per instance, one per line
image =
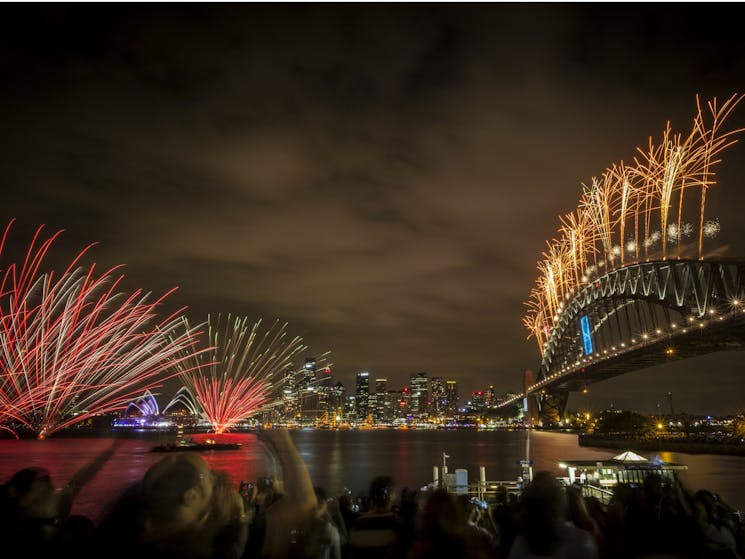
(188, 445)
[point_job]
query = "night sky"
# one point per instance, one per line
(383, 177)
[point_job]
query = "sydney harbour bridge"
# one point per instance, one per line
(628, 284)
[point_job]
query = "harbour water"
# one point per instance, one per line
(339, 460)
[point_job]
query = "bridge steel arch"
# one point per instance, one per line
(640, 315)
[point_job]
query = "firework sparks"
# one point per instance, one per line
(625, 215)
(71, 347)
(711, 228)
(675, 232)
(653, 239)
(245, 371)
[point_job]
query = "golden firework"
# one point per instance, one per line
(625, 215)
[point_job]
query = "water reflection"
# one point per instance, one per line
(350, 459)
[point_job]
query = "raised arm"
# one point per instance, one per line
(288, 517)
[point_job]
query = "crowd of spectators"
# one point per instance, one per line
(183, 509)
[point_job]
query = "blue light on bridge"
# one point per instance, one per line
(584, 323)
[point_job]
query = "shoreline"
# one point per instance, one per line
(661, 445)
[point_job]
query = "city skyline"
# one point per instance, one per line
(382, 177)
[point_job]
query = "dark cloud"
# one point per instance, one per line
(383, 177)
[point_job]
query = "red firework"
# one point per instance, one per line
(71, 347)
(246, 367)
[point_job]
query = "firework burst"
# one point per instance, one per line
(71, 347)
(635, 211)
(242, 374)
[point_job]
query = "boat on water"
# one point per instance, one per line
(189, 445)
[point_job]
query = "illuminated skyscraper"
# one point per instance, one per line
(362, 396)
(324, 387)
(382, 403)
(310, 407)
(451, 396)
(337, 398)
(477, 402)
(439, 396)
(491, 397)
(418, 395)
(379, 399)
(309, 371)
(402, 409)
(290, 402)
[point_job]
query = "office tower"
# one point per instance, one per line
(491, 397)
(402, 410)
(439, 396)
(478, 401)
(451, 396)
(310, 408)
(290, 400)
(379, 403)
(324, 387)
(418, 395)
(362, 396)
(309, 372)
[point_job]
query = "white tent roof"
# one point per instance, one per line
(630, 456)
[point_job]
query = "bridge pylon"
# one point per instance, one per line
(542, 407)
(552, 406)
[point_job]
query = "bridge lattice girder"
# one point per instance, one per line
(641, 297)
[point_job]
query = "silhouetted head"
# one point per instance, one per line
(544, 506)
(442, 515)
(179, 482)
(30, 494)
(653, 487)
(707, 505)
(381, 491)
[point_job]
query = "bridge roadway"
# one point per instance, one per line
(722, 333)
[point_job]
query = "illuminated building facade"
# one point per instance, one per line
(362, 396)
(418, 395)
(290, 401)
(439, 396)
(477, 403)
(309, 372)
(451, 396)
(324, 387)
(381, 403)
(310, 407)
